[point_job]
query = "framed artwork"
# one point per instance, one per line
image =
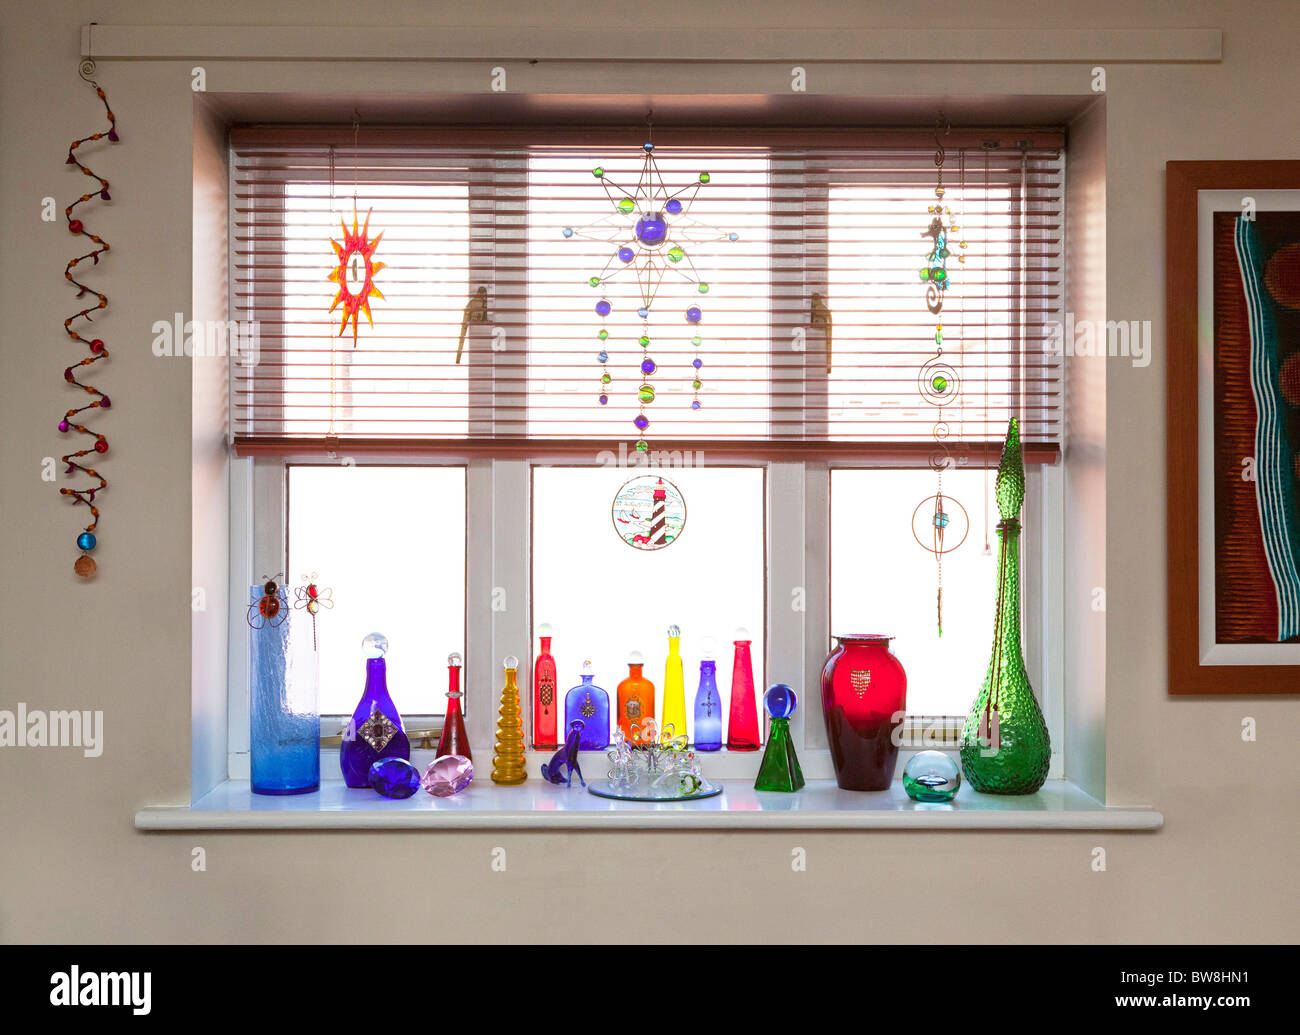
(1233, 426)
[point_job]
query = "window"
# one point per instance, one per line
(884, 581)
(605, 599)
(480, 379)
(389, 542)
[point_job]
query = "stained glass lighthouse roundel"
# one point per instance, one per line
(649, 512)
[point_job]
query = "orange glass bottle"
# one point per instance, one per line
(636, 699)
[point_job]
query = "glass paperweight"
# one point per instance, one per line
(653, 766)
(590, 704)
(448, 775)
(376, 729)
(394, 778)
(931, 776)
(779, 770)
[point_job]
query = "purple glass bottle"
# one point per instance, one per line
(376, 729)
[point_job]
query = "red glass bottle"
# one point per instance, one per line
(742, 722)
(864, 696)
(636, 699)
(545, 706)
(454, 740)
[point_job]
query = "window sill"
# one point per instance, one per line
(538, 806)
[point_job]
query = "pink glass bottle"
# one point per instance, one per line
(545, 703)
(742, 722)
(454, 740)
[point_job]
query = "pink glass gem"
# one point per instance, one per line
(448, 775)
(64, 425)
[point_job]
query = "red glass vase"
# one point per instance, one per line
(742, 722)
(864, 696)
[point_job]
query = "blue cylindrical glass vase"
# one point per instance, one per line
(284, 716)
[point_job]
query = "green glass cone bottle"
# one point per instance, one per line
(1005, 748)
(780, 770)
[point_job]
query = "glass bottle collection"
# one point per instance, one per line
(1005, 748)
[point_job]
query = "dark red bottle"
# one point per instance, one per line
(545, 702)
(454, 740)
(864, 697)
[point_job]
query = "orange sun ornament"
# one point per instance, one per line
(356, 246)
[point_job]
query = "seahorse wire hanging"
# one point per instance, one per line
(938, 381)
(658, 242)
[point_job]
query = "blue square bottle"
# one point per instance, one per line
(284, 718)
(590, 703)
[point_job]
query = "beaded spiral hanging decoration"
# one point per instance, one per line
(658, 243)
(939, 381)
(85, 564)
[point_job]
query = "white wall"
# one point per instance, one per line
(71, 865)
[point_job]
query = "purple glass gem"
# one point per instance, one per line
(673, 207)
(603, 308)
(64, 425)
(695, 404)
(105, 402)
(603, 400)
(642, 421)
(112, 135)
(647, 365)
(693, 314)
(697, 363)
(625, 254)
(651, 230)
(394, 778)
(448, 775)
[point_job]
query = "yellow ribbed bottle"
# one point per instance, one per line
(508, 761)
(674, 712)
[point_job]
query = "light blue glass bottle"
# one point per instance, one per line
(284, 720)
(708, 707)
(589, 703)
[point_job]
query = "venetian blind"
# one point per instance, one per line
(815, 334)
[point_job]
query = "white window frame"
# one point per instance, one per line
(498, 576)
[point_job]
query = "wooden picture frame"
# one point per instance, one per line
(1200, 660)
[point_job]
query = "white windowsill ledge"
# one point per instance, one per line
(539, 806)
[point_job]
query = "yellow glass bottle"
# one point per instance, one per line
(508, 762)
(674, 687)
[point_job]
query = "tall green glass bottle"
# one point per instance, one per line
(1005, 748)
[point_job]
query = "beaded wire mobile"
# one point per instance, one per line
(85, 564)
(658, 243)
(939, 381)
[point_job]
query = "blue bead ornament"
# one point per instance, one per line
(603, 308)
(602, 356)
(697, 363)
(651, 230)
(693, 314)
(643, 312)
(648, 366)
(568, 231)
(780, 701)
(603, 400)
(625, 254)
(674, 207)
(86, 541)
(642, 421)
(695, 404)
